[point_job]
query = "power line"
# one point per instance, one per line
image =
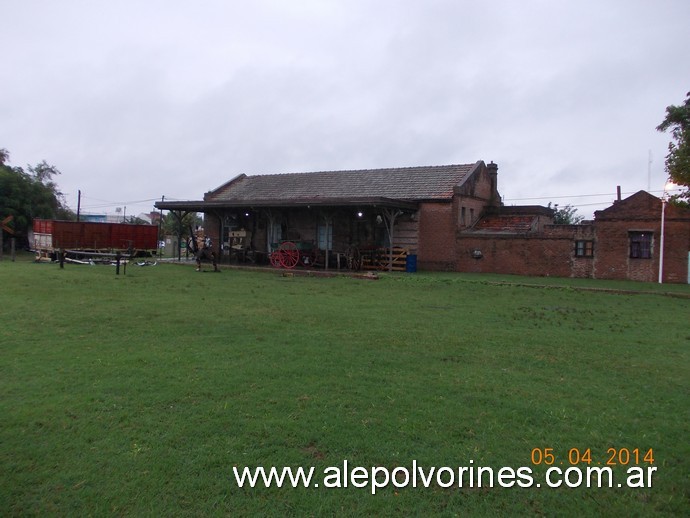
(109, 202)
(101, 204)
(561, 197)
(671, 191)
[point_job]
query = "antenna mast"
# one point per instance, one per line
(649, 171)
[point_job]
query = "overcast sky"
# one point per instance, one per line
(132, 100)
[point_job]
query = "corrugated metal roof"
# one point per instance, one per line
(408, 183)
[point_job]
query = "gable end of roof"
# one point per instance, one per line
(226, 185)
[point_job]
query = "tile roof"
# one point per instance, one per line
(408, 184)
(508, 223)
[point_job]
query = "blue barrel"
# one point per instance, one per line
(411, 263)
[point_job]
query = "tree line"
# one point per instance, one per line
(28, 194)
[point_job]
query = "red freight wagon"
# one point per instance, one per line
(51, 235)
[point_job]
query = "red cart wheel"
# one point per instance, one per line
(274, 259)
(289, 254)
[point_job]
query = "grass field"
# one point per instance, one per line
(137, 394)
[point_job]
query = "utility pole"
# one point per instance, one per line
(160, 228)
(661, 241)
(78, 203)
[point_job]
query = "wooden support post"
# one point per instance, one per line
(389, 216)
(328, 238)
(61, 257)
(13, 252)
(1, 243)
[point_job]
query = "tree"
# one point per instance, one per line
(136, 220)
(28, 195)
(566, 215)
(678, 158)
(172, 225)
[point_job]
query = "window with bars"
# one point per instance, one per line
(640, 245)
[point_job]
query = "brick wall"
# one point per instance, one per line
(551, 251)
(581, 267)
(612, 256)
(436, 249)
(677, 251)
(474, 196)
(536, 255)
(613, 260)
(642, 212)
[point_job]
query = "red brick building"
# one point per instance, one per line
(622, 242)
(422, 207)
(449, 217)
(630, 235)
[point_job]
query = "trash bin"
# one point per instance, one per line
(411, 263)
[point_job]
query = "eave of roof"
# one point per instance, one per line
(192, 205)
(203, 206)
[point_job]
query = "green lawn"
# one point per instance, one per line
(137, 394)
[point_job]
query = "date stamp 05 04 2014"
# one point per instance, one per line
(575, 456)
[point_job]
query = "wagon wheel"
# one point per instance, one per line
(274, 259)
(289, 254)
(354, 258)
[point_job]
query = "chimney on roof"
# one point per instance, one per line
(492, 169)
(618, 193)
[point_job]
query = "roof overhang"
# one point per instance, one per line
(206, 206)
(190, 206)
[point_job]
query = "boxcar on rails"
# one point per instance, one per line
(80, 239)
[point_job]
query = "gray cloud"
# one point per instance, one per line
(132, 100)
